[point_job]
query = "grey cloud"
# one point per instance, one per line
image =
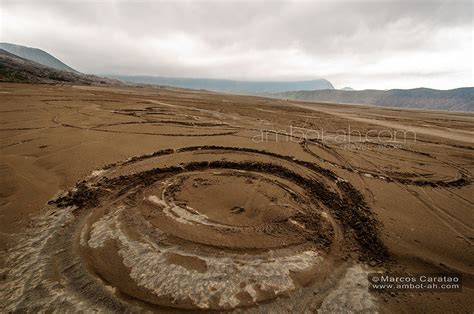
(244, 38)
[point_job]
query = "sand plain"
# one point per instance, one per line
(144, 198)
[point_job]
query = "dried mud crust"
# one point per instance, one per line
(212, 227)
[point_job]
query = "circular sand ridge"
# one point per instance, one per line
(205, 227)
(240, 224)
(234, 228)
(161, 121)
(390, 163)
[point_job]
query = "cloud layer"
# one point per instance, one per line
(362, 44)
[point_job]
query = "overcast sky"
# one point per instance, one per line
(361, 44)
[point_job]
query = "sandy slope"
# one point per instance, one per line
(120, 199)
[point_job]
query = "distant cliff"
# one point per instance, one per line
(229, 86)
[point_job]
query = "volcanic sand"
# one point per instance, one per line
(162, 199)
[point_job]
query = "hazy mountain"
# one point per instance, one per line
(20, 70)
(460, 99)
(36, 55)
(229, 86)
(347, 88)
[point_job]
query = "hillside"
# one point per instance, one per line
(36, 55)
(19, 70)
(460, 99)
(229, 86)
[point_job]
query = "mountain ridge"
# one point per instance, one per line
(37, 55)
(459, 99)
(16, 69)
